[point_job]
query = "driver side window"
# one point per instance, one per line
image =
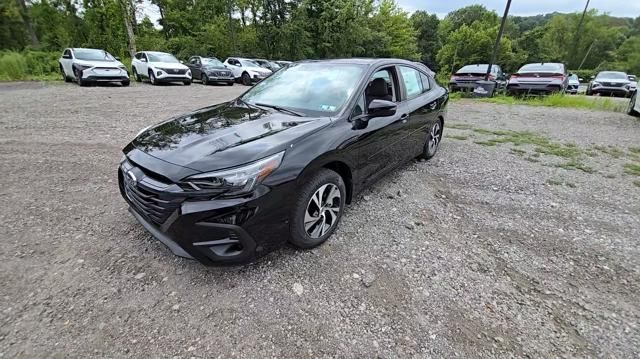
(381, 86)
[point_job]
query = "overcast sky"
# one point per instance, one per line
(626, 8)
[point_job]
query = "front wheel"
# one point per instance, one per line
(433, 141)
(246, 79)
(152, 78)
(136, 76)
(187, 83)
(125, 83)
(318, 209)
(632, 106)
(204, 79)
(78, 74)
(230, 83)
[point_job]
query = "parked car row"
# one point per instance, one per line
(542, 78)
(86, 66)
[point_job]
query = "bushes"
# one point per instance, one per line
(29, 65)
(585, 75)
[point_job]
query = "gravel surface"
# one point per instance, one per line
(487, 250)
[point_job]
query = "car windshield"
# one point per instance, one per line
(249, 63)
(211, 61)
(93, 55)
(573, 77)
(162, 57)
(274, 65)
(474, 69)
(313, 89)
(556, 68)
(612, 75)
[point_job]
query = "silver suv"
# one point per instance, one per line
(610, 83)
(87, 66)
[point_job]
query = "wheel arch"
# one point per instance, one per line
(337, 165)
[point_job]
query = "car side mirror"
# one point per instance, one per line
(118, 58)
(381, 108)
(66, 56)
(182, 62)
(580, 79)
(592, 77)
(143, 60)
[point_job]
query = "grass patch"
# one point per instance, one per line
(559, 100)
(635, 150)
(542, 143)
(532, 159)
(576, 165)
(519, 152)
(610, 150)
(485, 143)
(459, 126)
(636, 183)
(632, 169)
(461, 138)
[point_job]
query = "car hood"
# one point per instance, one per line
(214, 67)
(258, 69)
(609, 79)
(169, 65)
(113, 64)
(225, 135)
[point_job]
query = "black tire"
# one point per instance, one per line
(64, 75)
(632, 104)
(125, 83)
(304, 203)
(433, 143)
(246, 79)
(78, 76)
(205, 79)
(152, 78)
(136, 76)
(230, 83)
(187, 83)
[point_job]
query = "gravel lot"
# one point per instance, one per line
(483, 251)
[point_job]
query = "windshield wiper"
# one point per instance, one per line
(280, 108)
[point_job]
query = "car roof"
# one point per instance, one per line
(365, 61)
(85, 48)
(157, 52)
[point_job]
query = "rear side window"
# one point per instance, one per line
(412, 82)
(426, 85)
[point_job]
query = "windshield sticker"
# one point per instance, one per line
(327, 108)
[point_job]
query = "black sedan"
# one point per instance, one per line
(210, 70)
(231, 182)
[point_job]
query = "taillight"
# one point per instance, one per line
(514, 75)
(454, 77)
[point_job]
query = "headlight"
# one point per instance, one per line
(188, 72)
(237, 180)
(123, 68)
(596, 83)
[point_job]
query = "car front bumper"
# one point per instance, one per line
(105, 74)
(213, 231)
(611, 90)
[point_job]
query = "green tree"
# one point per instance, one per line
(427, 36)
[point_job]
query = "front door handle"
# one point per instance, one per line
(404, 118)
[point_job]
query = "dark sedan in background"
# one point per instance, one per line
(539, 78)
(610, 83)
(466, 77)
(210, 70)
(229, 183)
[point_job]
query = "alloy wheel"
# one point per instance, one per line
(322, 210)
(205, 79)
(434, 137)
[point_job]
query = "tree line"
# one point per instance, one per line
(302, 29)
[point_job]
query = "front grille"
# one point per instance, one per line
(222, 73)
(175, 71)
(148, 203)
(613, 84)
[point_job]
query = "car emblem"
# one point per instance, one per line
(132, 177)
(614, 83)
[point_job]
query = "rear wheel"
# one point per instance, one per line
(205, 79)
(433, 141)
(246, 79)
(318, 209)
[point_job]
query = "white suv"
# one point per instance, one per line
(87, 66)
(159, 67)
(246, 70)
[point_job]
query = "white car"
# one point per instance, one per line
(87, 66)
(246, 71)
(634, 105)
(159, 67)
(634, 82)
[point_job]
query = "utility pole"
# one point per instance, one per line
(497, 44)
(587, 54)
(577, 37)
